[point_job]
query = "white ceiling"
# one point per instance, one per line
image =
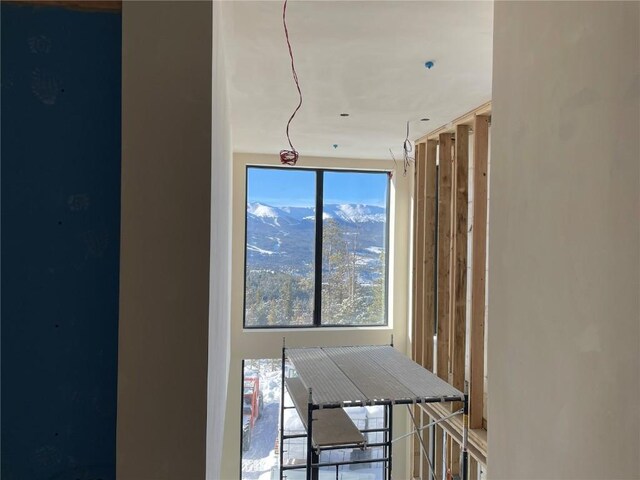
(365, 58)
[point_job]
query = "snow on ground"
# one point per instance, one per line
(262, 251)
(258, 461)
(261, 458)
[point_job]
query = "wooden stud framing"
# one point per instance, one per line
(414, 344)
(444, 254)
(419, 252)
(445, 455)
(478, 280)
(466, 119)
(440, 282)
(452, 261)
(417, 451)
(454, 457)
(417, 294)
(429, 259)
(459, 313)
(453, 426)
(424, 468)
(424, 274)
(437, 464)
(473, 469)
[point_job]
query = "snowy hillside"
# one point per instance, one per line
(285, 236)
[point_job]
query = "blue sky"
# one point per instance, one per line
(297, 188)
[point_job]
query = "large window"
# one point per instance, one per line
(316, 248)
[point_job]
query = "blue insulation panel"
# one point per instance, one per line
(61, 97)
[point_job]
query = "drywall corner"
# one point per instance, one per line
(220, 270)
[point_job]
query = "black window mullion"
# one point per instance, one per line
(317, 300)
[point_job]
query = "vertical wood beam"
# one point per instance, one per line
(446, 450)
(414, 262)
(417, 452)
(459, 313)
(424, 274)
(444, 253)
(429, 260)
(478, 279)
(419, 290)
(452, 258)
(473, 468)
(454, 457)
(418, 249)
(438, 460)
(424, 468)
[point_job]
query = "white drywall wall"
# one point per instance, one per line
(165, 240)
(564, 337)
(220, 274)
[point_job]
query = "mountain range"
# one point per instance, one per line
(346, 212)
(283, 238)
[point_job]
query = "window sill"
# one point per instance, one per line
(332, 328)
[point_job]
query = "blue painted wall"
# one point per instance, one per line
(61, 95)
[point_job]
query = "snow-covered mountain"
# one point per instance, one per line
(269, 215)
(261, 210)
(284, 237)
(354, 213)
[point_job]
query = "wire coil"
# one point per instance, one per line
(290, 157)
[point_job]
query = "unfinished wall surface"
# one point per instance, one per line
(166, 198)
(564, 338)
(60, 241)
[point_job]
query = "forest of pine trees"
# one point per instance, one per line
(275, 297)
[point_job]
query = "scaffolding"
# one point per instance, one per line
(330, 379)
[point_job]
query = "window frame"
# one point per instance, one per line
(318, 234)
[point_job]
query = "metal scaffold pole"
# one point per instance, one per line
(464, 454)
(281, 441)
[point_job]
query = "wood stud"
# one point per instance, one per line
(424, 468)
(459, 290)
(429, 260)
(419, 252)
(473, 469)
(424, 273)
(444, 254)
(418, 291)
(478, 278)
(439, 440)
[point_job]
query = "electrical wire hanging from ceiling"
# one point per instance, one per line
(407, 148)
(290, 157)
